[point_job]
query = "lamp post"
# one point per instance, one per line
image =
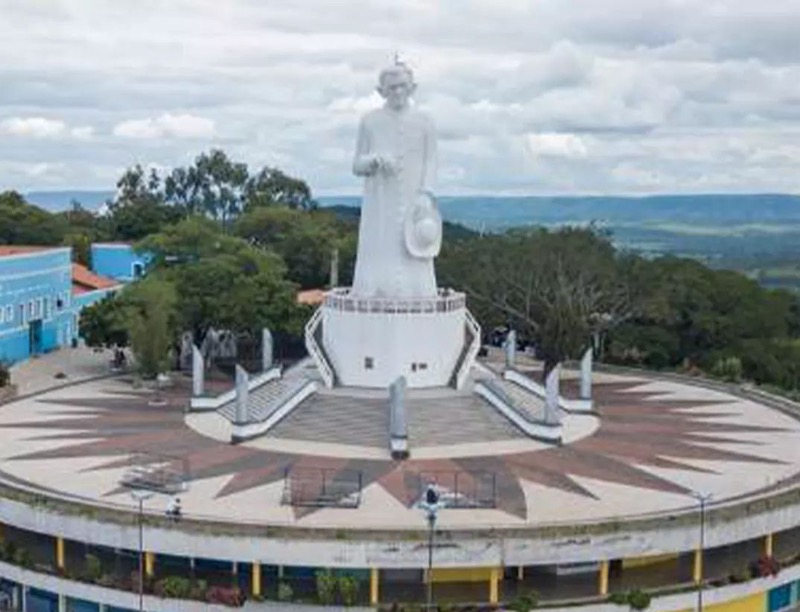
(702, 499)
(431, 505)
(140, 495)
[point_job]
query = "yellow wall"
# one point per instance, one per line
(753, 603)
(461, 574)
(644, 561)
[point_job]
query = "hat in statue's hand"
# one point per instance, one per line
(423, 227)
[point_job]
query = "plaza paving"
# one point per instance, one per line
(654, 442)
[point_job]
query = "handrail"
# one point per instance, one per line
(314, 349)
(465, 367)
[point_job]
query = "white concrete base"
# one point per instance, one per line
(371, 349)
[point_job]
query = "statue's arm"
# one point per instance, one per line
(431, 161)
(364, 162)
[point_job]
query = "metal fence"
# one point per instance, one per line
(322, 487)
(459, 489)
(155, 472)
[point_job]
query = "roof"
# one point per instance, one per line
(311, 297)
(84, 280)
(7, 250)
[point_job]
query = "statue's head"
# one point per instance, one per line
(396, 84)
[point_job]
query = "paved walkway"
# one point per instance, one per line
(44, 372)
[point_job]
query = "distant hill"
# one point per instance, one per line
(56, 201)
(491, 213)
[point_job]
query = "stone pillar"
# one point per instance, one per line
(242, 394)
(198, 372)
(374, 586)
(494, 585)
(256, 579)
(551, 385)
(586, 374)
(769, 545)
(149, 563)
(521, 572)
(60, 557)
(267, 350)
(510, 346)
(335, 268)
(602, 579)
(62, 602)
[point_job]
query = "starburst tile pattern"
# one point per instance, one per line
(642, 435)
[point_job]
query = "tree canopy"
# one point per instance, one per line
(222, 281)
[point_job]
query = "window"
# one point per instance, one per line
(22, 314)
(369, 363)
(137, 270)
(30, 309)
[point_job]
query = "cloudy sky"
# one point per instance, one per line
(529, 96)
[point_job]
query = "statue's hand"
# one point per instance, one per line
(386, 165)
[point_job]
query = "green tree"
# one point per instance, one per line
(553, 287)
(104, 323)
(24, 224)
(271, 187)
(305, 241)
(139, 208)
(150, 319)
(222, 281)
(221, 183)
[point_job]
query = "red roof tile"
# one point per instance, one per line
(84, 280)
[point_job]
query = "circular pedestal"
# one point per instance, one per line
(371, 342)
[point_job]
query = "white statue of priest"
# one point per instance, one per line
(400, 229)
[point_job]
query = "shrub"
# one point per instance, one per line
(525, 603)
(22, 558)
(177, 587)
(7, 550)
(766, 566)
(639, 600)
(635, 599)
(199, 589)
(348, 589)
(225, 595)
(728, 368)
(285, 592)
(326, 586)
(93, 569)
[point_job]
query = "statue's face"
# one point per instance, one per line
(396, 89)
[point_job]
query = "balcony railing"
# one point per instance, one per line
(446, 301)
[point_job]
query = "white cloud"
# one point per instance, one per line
(165, 126)
(671, 95)
(568, 146)
(83, 132)
(36, 127)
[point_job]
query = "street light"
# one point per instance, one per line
(702, 499)
(140, 495)
(431, 504)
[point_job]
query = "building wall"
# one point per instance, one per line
(118, 261)
(36, 303)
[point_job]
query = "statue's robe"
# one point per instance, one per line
(384, 267)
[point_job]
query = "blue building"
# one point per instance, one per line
(118, 261)
(41, 296)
